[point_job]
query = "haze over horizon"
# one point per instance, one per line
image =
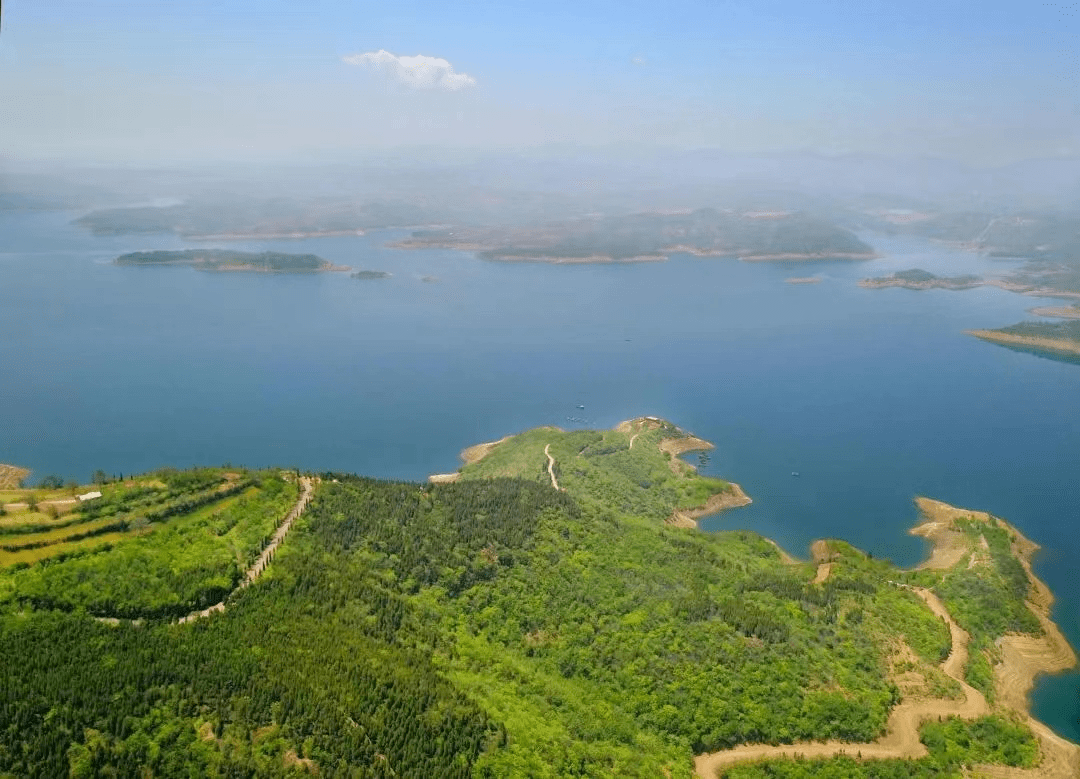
(981, 84)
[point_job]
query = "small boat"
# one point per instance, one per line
(794, 473)
(580, 406)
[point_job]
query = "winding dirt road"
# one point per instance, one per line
(551, 468)
(901, 739)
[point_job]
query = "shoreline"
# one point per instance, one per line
(297, 235)
(1024, 657)
(1060, 312)
(809, 256)
(590, 259)
(1055, 345)
(732, 498)
(919, 286)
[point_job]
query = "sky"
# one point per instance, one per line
(985, 83)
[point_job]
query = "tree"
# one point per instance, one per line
(51, 482)
(100, 477)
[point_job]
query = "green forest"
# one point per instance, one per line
(491, 627)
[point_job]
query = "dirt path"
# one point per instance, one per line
(635, 435)
(551, 468)
(901, 739)
(253, 573)
(1023, 658)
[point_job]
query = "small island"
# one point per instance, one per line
(919, 279)
(369, 275)
(222, 260)
(803, 280)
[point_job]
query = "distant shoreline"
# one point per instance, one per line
(1060, 312)
(259, 236)
(809, 256)
(1036, 343)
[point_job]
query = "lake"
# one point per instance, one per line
(871, 396)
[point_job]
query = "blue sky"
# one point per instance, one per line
(985, 82)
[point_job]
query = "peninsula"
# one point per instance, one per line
(1054, 338)
(547, 610)
(228, 260)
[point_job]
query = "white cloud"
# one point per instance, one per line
(638, 60)
(419, 72)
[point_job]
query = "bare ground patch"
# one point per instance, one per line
(11, 476)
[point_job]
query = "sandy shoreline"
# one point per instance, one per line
(1061, 312)
(733, 498)
(1024, 657)
(919, 286)
(1056, 345)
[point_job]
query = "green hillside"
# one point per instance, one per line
(492, 627)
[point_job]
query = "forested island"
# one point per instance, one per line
(370, 275)
(228, 260)
(644, 237)
(1055, 338)
(919, 279)
(547, 610)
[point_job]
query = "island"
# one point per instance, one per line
(652, 237)
(227, 260)
(548, 609)
(919, 279)
(369, 275)
(1052, 338)
(803, 280)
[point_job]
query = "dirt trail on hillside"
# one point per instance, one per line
(901, 739)
(1024, 657)
(256, 569)
(551, 468)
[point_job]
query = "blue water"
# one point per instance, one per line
(873, 396)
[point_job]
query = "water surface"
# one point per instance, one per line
(872, 396)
